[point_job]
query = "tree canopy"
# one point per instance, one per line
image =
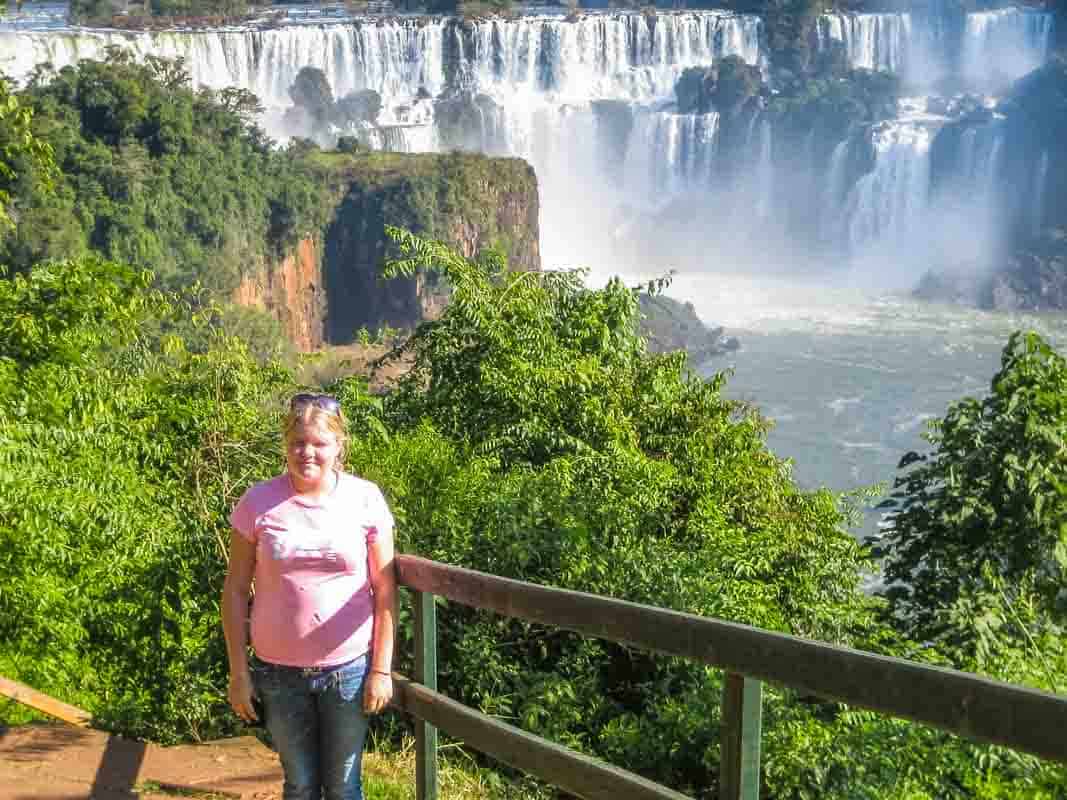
(983, 518)
(19, 148)
(155, 175)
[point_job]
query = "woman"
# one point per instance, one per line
(319, 544)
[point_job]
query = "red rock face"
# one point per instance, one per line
(291, 291)
(330, 286)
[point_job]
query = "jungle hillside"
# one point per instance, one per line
(531, 434)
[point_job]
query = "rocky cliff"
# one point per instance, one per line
(668, 325)
(330, 287)
(292, 292)
(1028, 271)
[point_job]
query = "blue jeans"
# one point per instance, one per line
(315, 717)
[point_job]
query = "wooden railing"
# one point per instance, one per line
(964, 704)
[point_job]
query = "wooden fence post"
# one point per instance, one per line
(426, 674)
(739, 772)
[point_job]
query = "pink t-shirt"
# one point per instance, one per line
(313, 603)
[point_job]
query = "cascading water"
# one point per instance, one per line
(764, 176)
(1037, 219)
(625, 56)
(670, 154)
(533, 84)
(981, 150)
(991, 47)
(834, 192)
(872, 41)
(887, 204)
(394, 58)
(999, 46)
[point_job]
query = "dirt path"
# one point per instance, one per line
(61, 762)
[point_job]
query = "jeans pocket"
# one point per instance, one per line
(265, 677)
(349, 679)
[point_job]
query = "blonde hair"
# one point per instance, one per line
(308, 415)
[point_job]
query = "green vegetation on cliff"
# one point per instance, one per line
(156, 175)
(725, 86)
(437, 194)
(84, 12)
(834, 106)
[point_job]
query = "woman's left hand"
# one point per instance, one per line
(377, 692)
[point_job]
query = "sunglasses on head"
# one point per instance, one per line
(322, 401)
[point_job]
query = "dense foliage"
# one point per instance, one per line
(981, 525)
(19, 147)
(534, 438)
(85, 12)
(155, 175)
(833, 105)
(724, 86)
(113, 491)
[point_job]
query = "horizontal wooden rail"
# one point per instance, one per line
(567, 769)
(28, 696)
(962, 703)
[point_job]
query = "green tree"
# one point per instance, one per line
(19, 143)
(535, 437)
(117, 447)
(156, 175)
(985, 514)
(82, 12)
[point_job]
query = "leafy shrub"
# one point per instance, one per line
(534, 437)
(987, 509)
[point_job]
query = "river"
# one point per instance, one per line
(850, 376)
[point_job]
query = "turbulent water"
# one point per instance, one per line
(850, 376)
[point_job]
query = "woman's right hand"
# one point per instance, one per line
(240, 696)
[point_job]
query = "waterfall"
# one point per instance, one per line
(981, 151)
(886, 205)
(393, 58)
(834, 192)
(765, 171)
(670, 154)
(992, 47)
(1037, 219)
(401, 138)
(1000, 46)
(619, 55)
(629, 56)
(872, 41)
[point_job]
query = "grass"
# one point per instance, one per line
(389, 774)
